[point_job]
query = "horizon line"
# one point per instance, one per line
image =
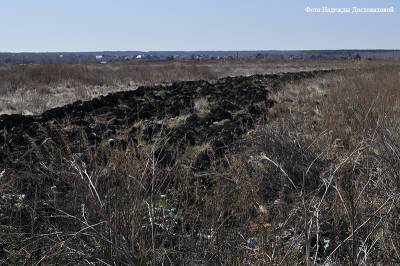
(191, 51)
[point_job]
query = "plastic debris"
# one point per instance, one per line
(173, 212)
(326, 244)
(252, 242)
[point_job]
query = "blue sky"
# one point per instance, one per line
(96, 25)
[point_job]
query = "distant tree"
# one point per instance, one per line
(260, 56)
(357, 57)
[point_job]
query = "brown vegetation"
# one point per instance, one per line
(314, 179)
(32, 89)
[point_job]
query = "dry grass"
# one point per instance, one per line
(336, 139)
(317, 182)
(36, 88)
(360, 101)
(201, 106)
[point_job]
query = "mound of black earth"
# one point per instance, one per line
(181, 114)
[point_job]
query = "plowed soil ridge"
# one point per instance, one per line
(229, 107)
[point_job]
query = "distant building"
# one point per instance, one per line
(99, 57)
(196, 57)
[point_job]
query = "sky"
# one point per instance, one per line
(188, 25)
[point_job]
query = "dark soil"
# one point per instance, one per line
(32, 148)
(234, 102)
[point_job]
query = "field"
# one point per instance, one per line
(32, 89)
(200, 163)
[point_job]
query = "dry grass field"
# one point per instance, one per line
(32, 89)
(280, 169)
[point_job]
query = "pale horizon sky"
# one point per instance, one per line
(178, 25)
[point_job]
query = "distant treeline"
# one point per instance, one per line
(106, 56)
